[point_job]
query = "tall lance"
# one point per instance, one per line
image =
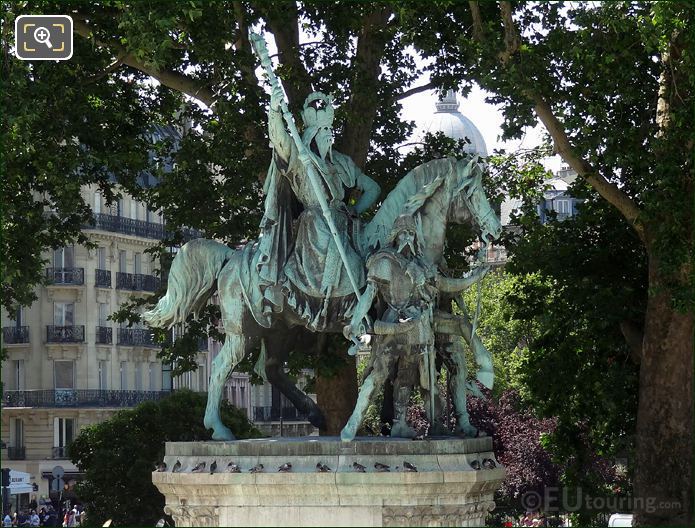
(305, 156)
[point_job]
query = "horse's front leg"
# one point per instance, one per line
(230, 354)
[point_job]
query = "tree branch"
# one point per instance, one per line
(478, 33)
(413, 91)
(609, 191)
(172, 79)
(109, 69)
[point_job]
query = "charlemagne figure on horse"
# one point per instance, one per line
(306, 272)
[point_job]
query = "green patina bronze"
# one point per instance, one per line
(322, 270)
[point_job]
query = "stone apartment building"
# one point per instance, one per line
(67, 365)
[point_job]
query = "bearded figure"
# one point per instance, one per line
(298, 259)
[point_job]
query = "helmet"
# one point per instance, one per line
(315, 118)
(404, 222)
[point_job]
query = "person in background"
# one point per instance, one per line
(34, 519)
(7, 520)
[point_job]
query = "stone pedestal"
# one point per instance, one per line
(445, 490)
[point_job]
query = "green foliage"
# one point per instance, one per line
(502, 334)
(119, 455)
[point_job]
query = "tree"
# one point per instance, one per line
(118, 455)
(612, 83)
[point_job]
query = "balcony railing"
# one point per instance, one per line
(137, 282)
(136, 337)
(65, 334)
(16, 453)
(139, 228)
(104, 335)
(69, 276)
(79, 398)
(102, 278)
(12, 335)
(60, 452)
(273, 414)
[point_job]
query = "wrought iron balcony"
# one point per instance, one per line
(65, 334)
(79, 398)
(16, 453)
(139, 228)
(60, 452)
(102, 278)
(137, 282)
(65, 276)
(104, 335)
(136, 337)
(274, 414)
(128, 226)
(12, 335)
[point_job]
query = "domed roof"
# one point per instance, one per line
(452, 123)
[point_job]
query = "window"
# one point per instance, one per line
(153, 376)
(124, 375)
(101, 258)
(563, 207)
(19, 316)
(133, 209)
(103, 375)
(18, 374)
(242, 397)
(63, 432)
(138, 376)
(137, 263)
(122, 261)
(104, 313)
(17, 432)
(97, 202)
(167, 383)
(202, 378)
(63, 314)
(64, 374)
(119, 207)
(64, 257)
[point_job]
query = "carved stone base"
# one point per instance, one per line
(445, 490)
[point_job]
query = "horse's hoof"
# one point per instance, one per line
(223, 434)
(467, 431)
(346, 436)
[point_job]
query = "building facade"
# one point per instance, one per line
(68, 365)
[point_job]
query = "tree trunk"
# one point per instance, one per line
(336, 395)
(664, 471)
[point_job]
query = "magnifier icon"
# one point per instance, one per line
(42, 36)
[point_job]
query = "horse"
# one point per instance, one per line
(443, 191)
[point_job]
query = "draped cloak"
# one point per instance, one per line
(296, 257)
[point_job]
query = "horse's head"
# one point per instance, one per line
(469, 201)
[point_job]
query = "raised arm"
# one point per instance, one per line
(277, 131)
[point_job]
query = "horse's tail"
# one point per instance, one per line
(192, 280)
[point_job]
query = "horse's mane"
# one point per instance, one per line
(409, 195)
